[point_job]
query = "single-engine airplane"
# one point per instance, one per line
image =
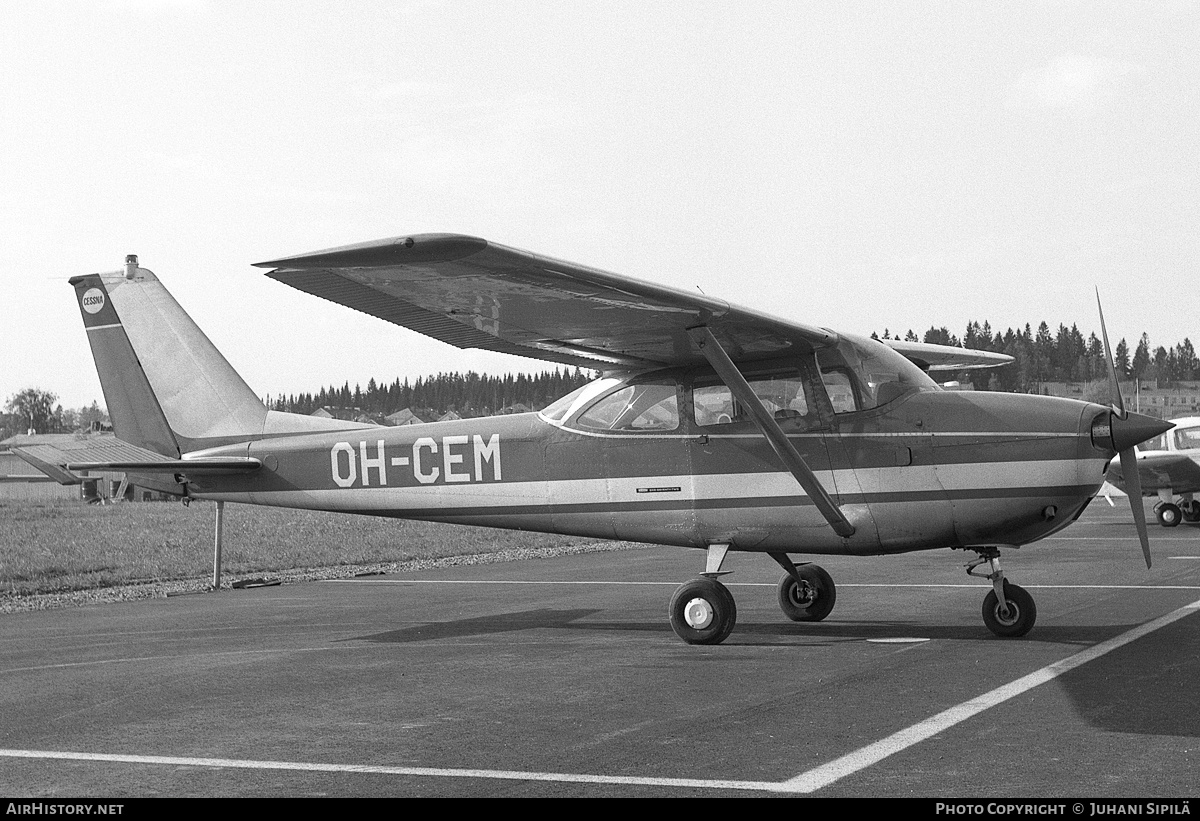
(713, 426)
(1168, 466)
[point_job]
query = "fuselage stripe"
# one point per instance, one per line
(478, 509)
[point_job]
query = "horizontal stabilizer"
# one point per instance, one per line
(60, 459)
(35, 456)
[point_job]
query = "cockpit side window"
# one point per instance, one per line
(1187, 438)
(646, 406)
(1157, 443)
(839, 384)
(860, 374)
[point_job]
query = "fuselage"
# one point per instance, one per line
(927, 469)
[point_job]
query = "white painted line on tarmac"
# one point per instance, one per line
(420, 772)
(577, 582)
(1154, 541)
(860, 759)
(491, 582)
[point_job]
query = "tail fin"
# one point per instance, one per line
(167, 387)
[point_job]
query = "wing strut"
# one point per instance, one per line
(792, 460)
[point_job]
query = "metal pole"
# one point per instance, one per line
(216, 583)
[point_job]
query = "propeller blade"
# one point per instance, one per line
(1133, 487)
(1125, 436)
(1114, 384)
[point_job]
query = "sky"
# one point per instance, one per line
(857, 166)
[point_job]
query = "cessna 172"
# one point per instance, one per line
(1168, 466)
(715, 427)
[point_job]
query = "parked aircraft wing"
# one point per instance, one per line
(473, 293)
(1161, 470)
(947, 357)
(60, 461)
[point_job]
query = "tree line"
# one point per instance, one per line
(1065, 356)
(39, 410)
(469, 394)
(1040, 356)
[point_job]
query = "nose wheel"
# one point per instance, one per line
(1168, 515)
(1017, 616)
(1008, 610)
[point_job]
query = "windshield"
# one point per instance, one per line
(560, 409)
(860, 374)
(643, 406)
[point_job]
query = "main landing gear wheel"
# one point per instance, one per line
(702, 612)
(811, 601)
(1019, 619)
(1169, 515)
(1190, 510)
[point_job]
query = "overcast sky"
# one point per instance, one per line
(859, 165)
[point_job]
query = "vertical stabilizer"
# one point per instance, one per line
(167, 387)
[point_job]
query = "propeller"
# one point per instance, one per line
(1127, 430)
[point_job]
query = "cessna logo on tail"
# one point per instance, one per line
(93, 300)
(453, 459)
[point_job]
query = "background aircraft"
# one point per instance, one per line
(1168, 466)
(713, 426)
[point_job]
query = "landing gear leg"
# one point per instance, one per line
(1008, 610)
(807, 592)
(702, 611)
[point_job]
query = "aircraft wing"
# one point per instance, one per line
(473, 293)
(947, 357)
(1163, 469)
(60, 461)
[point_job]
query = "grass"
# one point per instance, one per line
(64, 545)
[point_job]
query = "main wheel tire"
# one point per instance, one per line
(1022, 612)
(812, 604)
(1191, 511)
(1169, 515)
(702, 611)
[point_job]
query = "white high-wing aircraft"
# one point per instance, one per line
(714, 427)
(1168, 466)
